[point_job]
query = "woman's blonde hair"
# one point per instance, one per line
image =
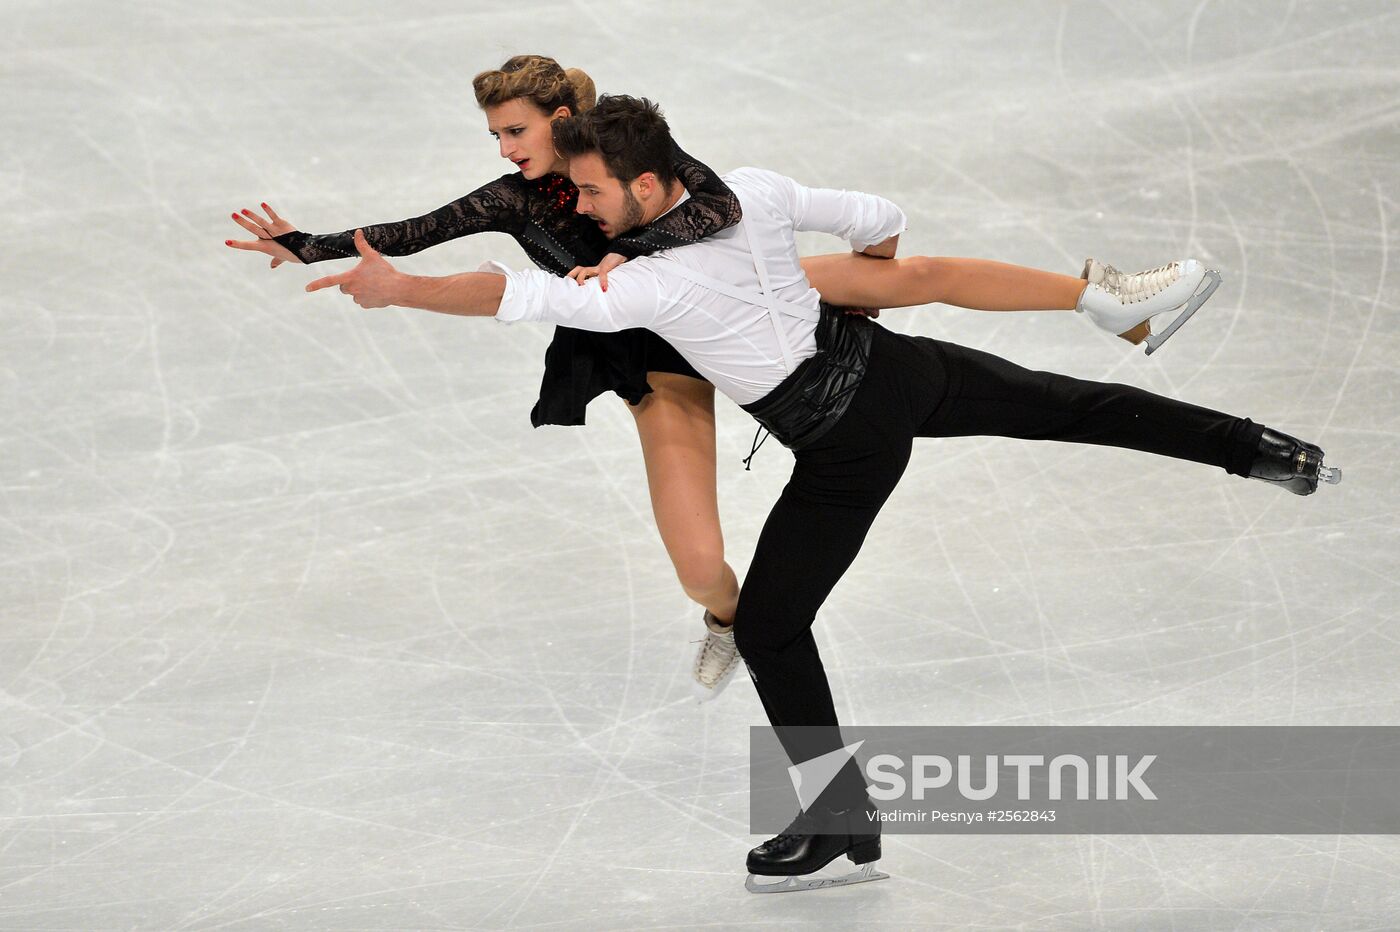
(538, 79)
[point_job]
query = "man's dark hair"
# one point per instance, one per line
(630, 135)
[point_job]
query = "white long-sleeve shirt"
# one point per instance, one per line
(728, 337)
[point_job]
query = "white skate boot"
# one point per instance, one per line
(716, 660)
(1124, 304)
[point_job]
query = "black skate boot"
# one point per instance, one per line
(811, 842)
(1291, 463)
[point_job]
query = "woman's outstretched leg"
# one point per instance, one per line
(853, 280)
(1122, 304)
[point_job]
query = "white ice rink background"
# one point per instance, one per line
(304, 627)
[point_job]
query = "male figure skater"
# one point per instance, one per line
(845, 394)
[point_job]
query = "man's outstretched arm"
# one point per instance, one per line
(376, 283)
(530, 295)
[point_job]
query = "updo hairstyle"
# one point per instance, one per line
(538, 79)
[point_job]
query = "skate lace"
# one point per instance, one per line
(801, 827)
(718, 654)
(783, 842)
(1139, 286)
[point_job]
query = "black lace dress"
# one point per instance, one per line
(579, 365)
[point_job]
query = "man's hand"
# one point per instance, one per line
(582, 273)
(372, 283)
(885, 250)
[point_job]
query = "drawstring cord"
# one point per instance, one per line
(748, 460)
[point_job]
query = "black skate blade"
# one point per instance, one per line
(1209, 283)
(799, 882)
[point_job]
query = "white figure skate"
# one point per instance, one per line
(716, 660)
(1120, 302)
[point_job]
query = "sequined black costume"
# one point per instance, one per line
(540, 215)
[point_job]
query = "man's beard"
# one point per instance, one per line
(631, 214)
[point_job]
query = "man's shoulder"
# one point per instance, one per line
(762, 190)
(757, 177)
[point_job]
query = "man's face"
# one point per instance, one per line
(602, 197)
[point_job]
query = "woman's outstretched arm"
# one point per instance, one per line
(496, 207)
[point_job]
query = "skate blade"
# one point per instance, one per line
(1329, 474)
(1210, 282)
(793, 884)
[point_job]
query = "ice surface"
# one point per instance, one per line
(304, 626)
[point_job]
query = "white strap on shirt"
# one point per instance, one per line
(763, 298)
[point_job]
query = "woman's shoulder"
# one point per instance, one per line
(513, 182)
(507, 199)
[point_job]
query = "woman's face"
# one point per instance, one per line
(526, 137)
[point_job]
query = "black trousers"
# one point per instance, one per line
(920, 387)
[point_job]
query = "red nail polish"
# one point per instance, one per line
(247, 213)
(234, 216)
(228, 242)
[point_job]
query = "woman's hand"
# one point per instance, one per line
(581, 273)
(264, 230)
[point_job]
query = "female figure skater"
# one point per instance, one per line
(672, 403)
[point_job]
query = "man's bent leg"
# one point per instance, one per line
(811, 537)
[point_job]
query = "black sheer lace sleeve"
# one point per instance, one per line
(712, 207)
(499, 207)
